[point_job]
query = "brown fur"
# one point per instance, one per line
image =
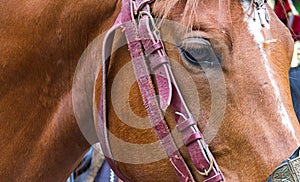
(41, 45)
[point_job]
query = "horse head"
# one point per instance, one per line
(231, 60)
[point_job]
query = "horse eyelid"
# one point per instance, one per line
(188, 56)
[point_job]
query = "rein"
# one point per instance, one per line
(149, 57)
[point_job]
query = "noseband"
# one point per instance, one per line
(149, 57)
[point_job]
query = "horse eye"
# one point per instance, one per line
(198, 51)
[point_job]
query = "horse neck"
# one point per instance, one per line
(40, 46)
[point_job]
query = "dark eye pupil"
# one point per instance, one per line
(199, 52)
(200, 56)
(189, 57)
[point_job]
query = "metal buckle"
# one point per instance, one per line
(259, 3)
(211, 164)
(262, 12)
(295, 167)
(288, 171)
(281, 173)
(140, 4)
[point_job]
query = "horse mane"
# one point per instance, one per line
(164, 8)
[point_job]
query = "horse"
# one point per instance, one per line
(49, 104)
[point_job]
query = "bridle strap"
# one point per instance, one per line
(193, 139)
(197, 148)
(133, 31)
(102, 117)
(146, 49)
(138, 5)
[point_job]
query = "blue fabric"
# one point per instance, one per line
(104, 175)
(84, 166)
(295, 89)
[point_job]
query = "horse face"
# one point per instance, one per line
(239, 61)
(232, 68)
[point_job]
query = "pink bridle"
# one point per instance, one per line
(149, 57)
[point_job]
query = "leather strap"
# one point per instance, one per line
(102, 117)
(142, 74)
(201, 156)
(146, 49)
(199, 152)
(149, 49)
(139, 4)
